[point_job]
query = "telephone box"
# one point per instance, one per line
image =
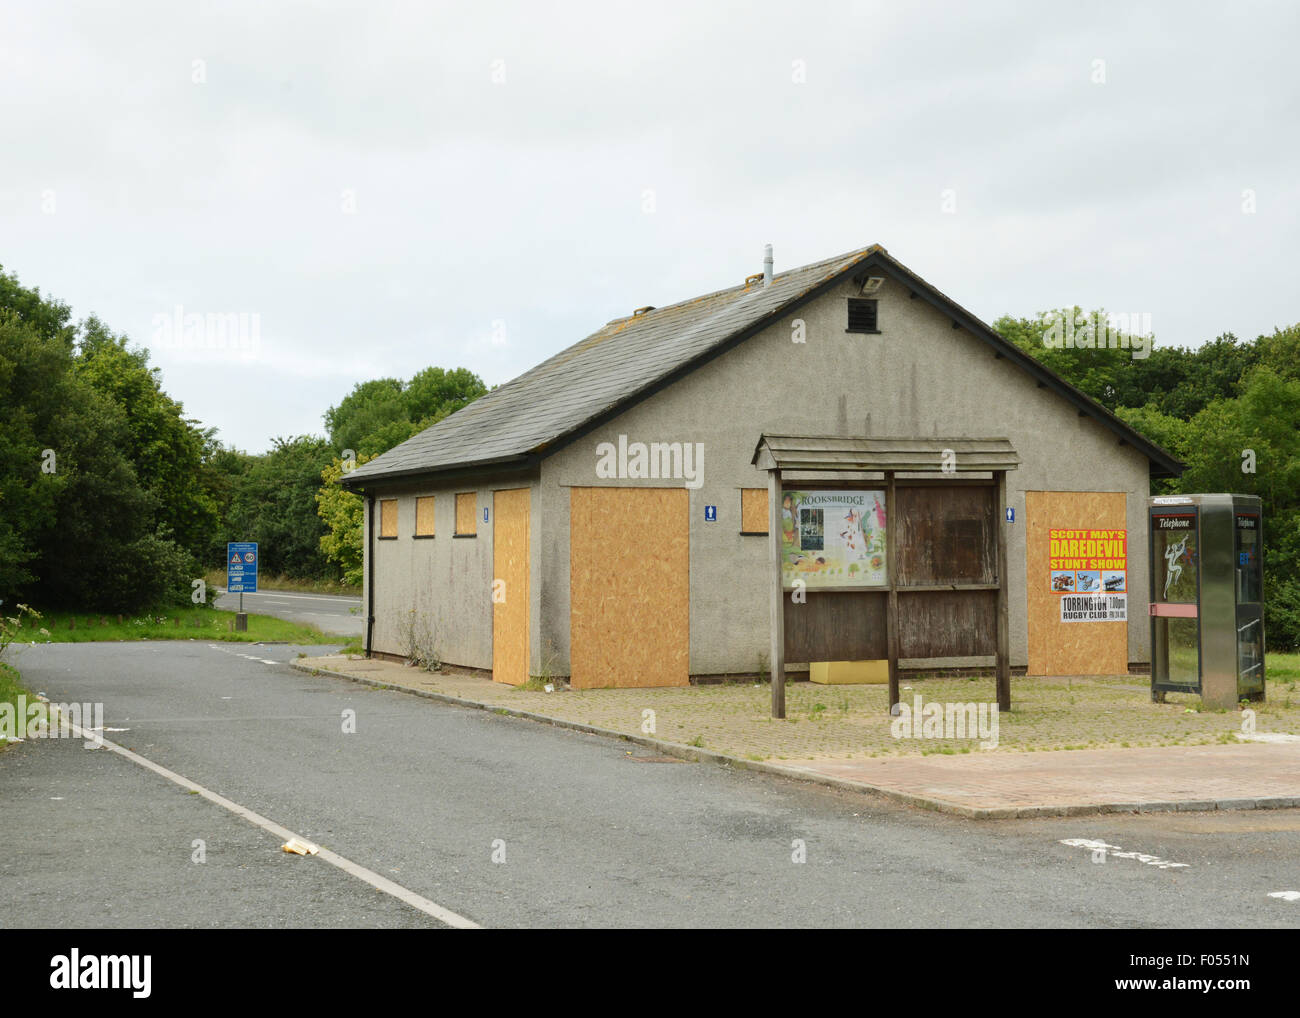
(1207, 622)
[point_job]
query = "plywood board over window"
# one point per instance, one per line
(424, 516)
(753, 510)
(510, 586)
(629, 587)
(388, 517)
(1071, 648)
(466, 514)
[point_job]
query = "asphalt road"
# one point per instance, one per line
(591, 832)
(329, 612)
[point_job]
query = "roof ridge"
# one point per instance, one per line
(604, 369)
(739, 286)
(551, 403)
(572, 347)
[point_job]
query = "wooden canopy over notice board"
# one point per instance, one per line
(941, 590)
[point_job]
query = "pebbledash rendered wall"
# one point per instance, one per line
(443, 582)
(918, 377)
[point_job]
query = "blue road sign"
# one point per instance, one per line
(711, 513)
(241, 567)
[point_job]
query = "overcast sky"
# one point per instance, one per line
(390, 186)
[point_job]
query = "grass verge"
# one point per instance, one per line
(193, 623)
(11, 687)
(1281, 668)
(217, 580)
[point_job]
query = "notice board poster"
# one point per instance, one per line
(833, 538)
(1089, 569)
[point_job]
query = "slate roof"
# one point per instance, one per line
(610, 366)
(531, 415)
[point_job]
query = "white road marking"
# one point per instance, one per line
(227, 718)
(338, 598)
(284, 834)
(1115, 852)
(1285, 895)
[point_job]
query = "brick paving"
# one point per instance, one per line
(1123, 750)
(1206, 777)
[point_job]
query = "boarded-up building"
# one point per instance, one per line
(605, 516)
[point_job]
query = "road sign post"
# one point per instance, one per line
(241, 575)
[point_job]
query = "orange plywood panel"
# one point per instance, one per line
(1099, 519)
(629, 587)
(388, 517)
(510, 586)
(753, 510)
(466, 513)
(424, 516)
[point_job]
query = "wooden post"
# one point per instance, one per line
(777, 623)
(892, 533)
(1004, 628)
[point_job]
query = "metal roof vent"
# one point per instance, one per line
(767, 264)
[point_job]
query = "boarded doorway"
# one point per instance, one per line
(510, 586)
(629, 587)
(1081, 585)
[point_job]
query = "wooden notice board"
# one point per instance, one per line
(1058, 647)
(510, 586)
(629, 587)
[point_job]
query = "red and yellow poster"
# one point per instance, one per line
(1090, 568)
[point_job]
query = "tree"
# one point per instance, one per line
(1259, 430)
(1173, 380)
(274, 503)
(434, 393)
(222, 471)
(165, 447)
(343, 514)
(373, 418)
(77, 528)
(34, 365)
(1218, 408)
(369, 407)
(384, 412)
